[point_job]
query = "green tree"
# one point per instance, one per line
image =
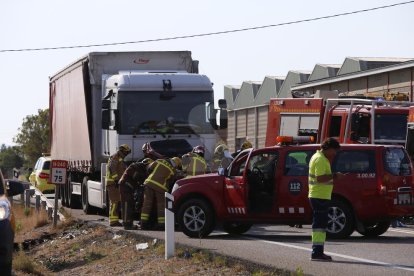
(10, 158)
(33, 136)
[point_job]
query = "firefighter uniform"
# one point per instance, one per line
(222, 158)
(131, 181)
(193, 164)
(319, 196)
(114, 170)
(157, 183)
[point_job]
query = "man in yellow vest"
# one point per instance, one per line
(194, 162)
(114, 171)
(163, 173)
(321, 182)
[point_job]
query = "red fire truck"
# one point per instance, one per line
(270, 185)
(358, 121)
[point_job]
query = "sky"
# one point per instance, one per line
(227, 59)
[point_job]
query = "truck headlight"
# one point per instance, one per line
(4, 209)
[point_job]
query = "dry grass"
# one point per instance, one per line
(27, 220)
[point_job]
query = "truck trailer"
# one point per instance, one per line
(106, 99)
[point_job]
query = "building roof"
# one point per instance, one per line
(352, 75)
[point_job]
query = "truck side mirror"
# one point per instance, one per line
(16, 187)
(106, 119)
(222, 103)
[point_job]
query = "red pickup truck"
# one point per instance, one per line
(270, 185)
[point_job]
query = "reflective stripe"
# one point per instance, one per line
(144, 217)
(157, 184)
(318, 238)
(161, 219)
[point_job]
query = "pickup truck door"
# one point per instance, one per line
(235, 186)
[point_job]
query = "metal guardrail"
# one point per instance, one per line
(41, 201)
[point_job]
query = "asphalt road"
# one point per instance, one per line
(289, 248)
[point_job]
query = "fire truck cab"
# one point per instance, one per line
(270, 186)
(350, 120)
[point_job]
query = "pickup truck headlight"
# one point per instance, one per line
(4, 209)
(175, 187)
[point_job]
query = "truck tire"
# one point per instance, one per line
(236, 228)
(196, 218)
(73, 201)
(374, 230)
(87, 209)
(63, 195)
(341, 222)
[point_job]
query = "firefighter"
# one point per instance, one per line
(132, 181)
(163, 173)
(246, 145)
(114, 170)
(321, 182)
(221, 158)
(193, 163)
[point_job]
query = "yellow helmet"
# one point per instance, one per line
(176, 162)
(246, 145)
(220, 149)
(125, 148)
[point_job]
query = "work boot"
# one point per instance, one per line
(113, 224)
(130, 227)
(321, 258)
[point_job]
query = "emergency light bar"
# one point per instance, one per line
(294, 139)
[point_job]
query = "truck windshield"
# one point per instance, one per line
(148, 112)
(390, 127)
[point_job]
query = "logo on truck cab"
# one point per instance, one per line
(141, 61)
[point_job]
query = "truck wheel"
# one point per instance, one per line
(236, 228)
(374, 230)
(73, 201)
(87, 209)
(196, 218)
(341, 222)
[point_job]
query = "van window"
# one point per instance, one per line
(354, 161)
(297, 163)
(46, 165)
(397, 162)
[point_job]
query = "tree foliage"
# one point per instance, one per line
(10, 158)
(33, 136)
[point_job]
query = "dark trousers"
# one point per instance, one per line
(127, 203)
(320, 209)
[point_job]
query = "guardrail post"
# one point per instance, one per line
(49, 213)
(169, 226)
(37, 203)
(44, 204)
(27, 198)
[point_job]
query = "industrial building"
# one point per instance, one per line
(248, 104)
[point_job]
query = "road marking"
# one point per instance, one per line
(337, 255)
(405, 231)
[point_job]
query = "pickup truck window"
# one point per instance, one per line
(354, 161)
(397, 162)
(297, 163)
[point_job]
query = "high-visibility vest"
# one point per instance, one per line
(319, 165)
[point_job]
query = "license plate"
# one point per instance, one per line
(404, 199)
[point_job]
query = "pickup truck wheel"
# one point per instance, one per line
(341, 222)
(87, 209)
(374, 230)
(196, 218)
(236, 228)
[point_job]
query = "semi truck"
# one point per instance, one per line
(105, 99)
